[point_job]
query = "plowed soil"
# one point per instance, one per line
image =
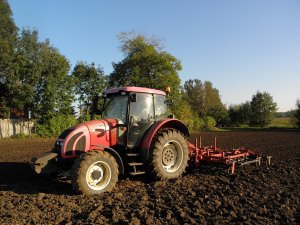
(253, 195)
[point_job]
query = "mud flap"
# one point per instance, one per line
(45, 163)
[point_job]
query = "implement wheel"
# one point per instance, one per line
(170, 155)
(94, 173)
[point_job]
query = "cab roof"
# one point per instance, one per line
(134, 89)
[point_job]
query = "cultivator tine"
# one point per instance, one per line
(200, 142)
(258, 159)
(268, 161)
(232, 168)
(215, 143)
(197, 152)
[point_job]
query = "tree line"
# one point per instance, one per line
(35, 78)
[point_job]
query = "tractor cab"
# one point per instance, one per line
(135, 109)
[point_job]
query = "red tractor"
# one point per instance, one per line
(135, 136)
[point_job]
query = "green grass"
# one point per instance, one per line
(283, 122)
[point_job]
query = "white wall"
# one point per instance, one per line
(9, 127)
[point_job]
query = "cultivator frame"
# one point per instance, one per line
(213, 155)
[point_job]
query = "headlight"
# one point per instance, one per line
(59, 143)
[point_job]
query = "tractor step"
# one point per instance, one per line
(135, 164)
(137, 173)
(134, 168)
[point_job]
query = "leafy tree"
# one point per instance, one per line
(205, 100)
(262, 108)
(239, 114)
(40, 81)
(195, 93)
(146, 65)
(56, 125)
(8, 38)
(245, 112)
(54, 90)
(22, 83)
(234, 113)
(184, 112)
(8, 29)
(90, 82)
(296, 115)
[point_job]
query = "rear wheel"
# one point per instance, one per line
(94, 173)
(170, 155)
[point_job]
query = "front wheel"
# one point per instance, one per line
(94, 173)
(170, 155)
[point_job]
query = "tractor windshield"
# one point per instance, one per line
(115, 106)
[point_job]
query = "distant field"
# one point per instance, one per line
(277, 123)
(281, 122)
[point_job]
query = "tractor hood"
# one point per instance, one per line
(94, 134)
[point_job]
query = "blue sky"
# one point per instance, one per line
(240, 46)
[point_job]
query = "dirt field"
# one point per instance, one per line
(266, 195)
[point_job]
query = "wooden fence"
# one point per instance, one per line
(9, 127)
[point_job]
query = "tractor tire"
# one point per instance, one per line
(170, 155)
(94, 172)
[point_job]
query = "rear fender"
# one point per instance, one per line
(146, 141)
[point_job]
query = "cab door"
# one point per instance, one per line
(141, 116)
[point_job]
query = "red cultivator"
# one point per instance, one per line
(213, 155)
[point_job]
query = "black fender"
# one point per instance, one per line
(116, 155)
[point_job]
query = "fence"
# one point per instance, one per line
(9, 127)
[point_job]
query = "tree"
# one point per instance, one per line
(23, 82)
(145, 64)
(262, 108)
(54, 94)
(8, 38)
(296, 115)
(239, 114)
(205, 100)
(185, 113)
(90, 82)
(8, 27)
(40, 81)
(195, 93)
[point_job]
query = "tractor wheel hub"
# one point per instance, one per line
(169, 156)
(95, 174)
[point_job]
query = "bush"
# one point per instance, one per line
(210, 122)
(199, 123)
(84, 117)
(56, 125)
